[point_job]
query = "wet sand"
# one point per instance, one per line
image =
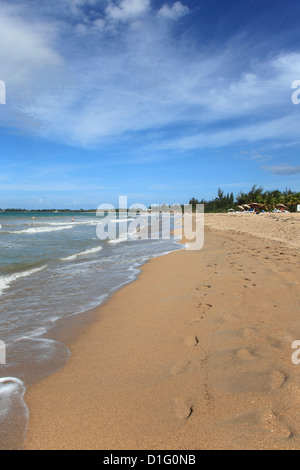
(195, 354)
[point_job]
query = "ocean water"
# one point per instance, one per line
(53, 267)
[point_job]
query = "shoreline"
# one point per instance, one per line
(176, 359)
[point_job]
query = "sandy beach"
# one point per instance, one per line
(195, 354)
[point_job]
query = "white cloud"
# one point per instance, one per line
(127, 9)
(110, 84)
(75, 9)
(75, 6)
(283, 169)
(271, 129)
(254, 155)
(174, 11)
(28, 58)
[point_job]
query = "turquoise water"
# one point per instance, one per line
(52, 268)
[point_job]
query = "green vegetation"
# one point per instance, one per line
(268, 200)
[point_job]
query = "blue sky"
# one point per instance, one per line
(157, 100)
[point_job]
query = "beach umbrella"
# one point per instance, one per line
(241, 208)
(281, 206)
(255, 205)
(246, 206)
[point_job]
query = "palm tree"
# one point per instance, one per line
(291, 200)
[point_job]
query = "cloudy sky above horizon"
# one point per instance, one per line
(157, 100)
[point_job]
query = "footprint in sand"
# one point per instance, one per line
(192, 341)
(250, 382)
(206, 393)
(248, 332)
(180, 368)
(274, 343)
(201, 289)
(246, 354)
(184, 408)
(278, 379)
(196, 320)
(273, 423)
(234, 357)
(207, 286)
(204, 307)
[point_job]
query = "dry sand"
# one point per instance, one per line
(284, 227)
(195, 354)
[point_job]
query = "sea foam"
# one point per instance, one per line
(82, 253)
(34, 230)
(5, 281)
